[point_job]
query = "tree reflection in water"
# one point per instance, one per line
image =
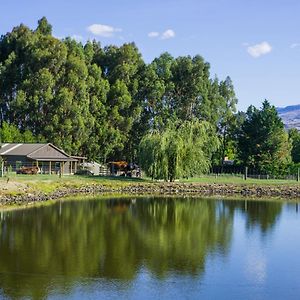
(261, 214)
(53, 248)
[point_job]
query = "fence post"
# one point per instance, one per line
(298, 174)
(246, 173)
(2, 168)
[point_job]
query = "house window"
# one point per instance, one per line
(18, 164)
(57, 167)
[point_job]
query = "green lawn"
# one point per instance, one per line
(50, 183)
(239, 180)
(71, 178)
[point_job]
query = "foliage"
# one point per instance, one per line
(11, 134)
(294, 137)
(181, 88)
(103, 102)
(179, 151)
(228, 119)
(100, 102)
(262, 142)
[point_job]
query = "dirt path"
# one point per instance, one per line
(12, 186)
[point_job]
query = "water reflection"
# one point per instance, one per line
(55, 248)
(262, 214)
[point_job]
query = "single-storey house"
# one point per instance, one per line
(47, 157)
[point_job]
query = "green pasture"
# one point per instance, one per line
(50, 183)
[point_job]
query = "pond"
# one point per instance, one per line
(151, 248)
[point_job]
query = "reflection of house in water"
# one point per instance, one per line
(120, 205)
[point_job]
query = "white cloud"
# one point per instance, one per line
(153, 34)
(103, 30)
(259, 49)
(256, 265)
(168, 34)
(295, 45)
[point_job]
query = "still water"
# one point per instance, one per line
(151, 248)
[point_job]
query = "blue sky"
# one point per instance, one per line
(255, 42)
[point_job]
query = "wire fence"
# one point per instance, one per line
(246, 172)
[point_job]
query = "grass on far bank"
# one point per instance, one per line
(239, 180)
(49, 183)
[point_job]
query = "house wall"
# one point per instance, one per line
(14, 163)
(46, 156)
(70, 167)
(46, 165)
(17, 161)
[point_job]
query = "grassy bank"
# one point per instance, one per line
(18, 184)
(228, 179)
(20, 190)
(50, 183)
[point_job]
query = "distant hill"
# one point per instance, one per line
(290, 116)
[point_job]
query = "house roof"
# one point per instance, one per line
(78, 157)
(35, 151)
(19, 149)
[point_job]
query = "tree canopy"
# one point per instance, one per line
(101, 102)
(181, 150)
(106, 103)
(294, 136)
(262, 142)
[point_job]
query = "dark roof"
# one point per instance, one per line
(19, 149)
(78, 157)
(41, 152)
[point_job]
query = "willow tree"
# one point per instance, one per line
(181, 150)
